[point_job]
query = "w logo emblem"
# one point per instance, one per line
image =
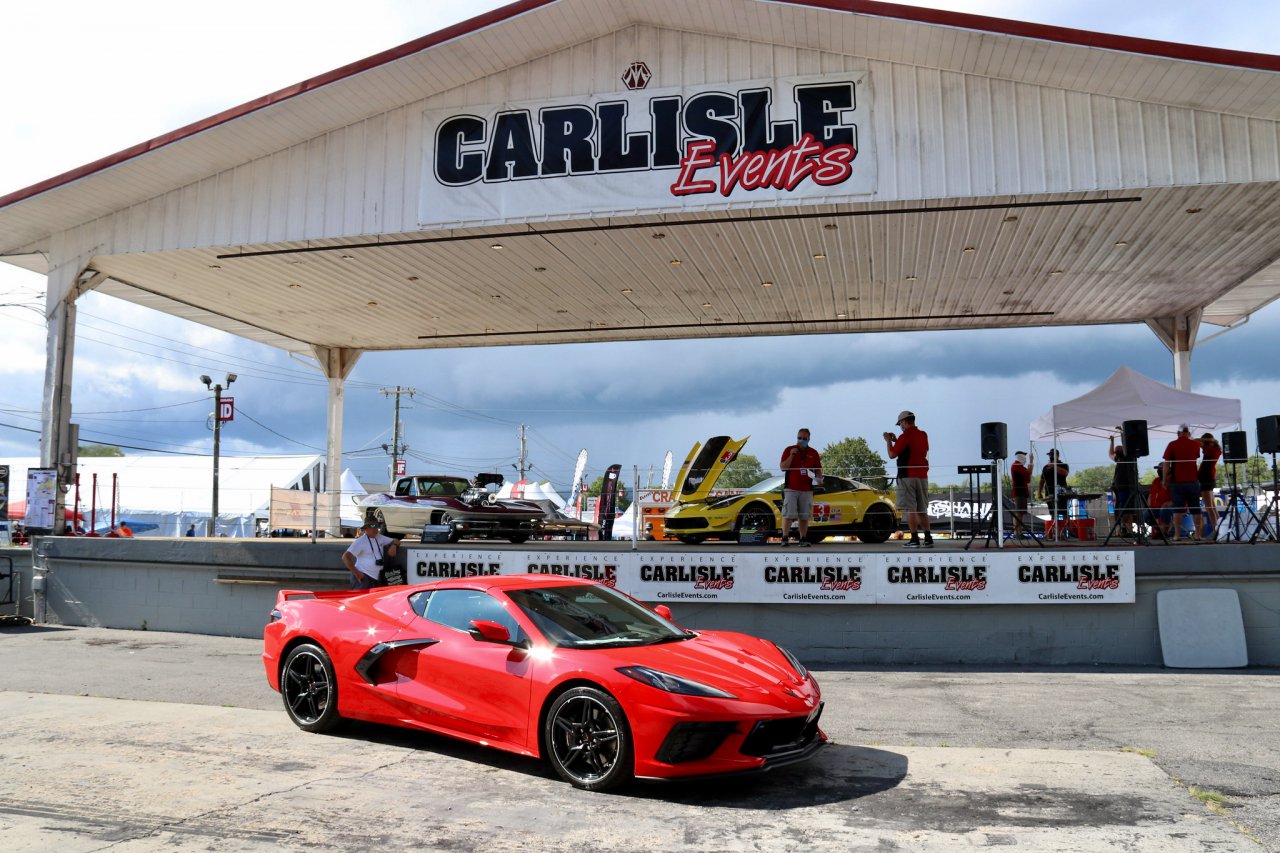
(637, 76)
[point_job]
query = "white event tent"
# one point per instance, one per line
(1129, 396)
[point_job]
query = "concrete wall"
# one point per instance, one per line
(228, 588)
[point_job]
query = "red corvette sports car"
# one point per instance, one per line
(543, 665)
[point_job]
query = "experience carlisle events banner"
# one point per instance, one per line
(765, 142)
(774, 576)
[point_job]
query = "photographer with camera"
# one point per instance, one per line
(365, 558)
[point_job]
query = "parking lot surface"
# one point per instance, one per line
(134, 741)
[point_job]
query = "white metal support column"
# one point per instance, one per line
(1178, 334)
(336, 362)
(66, 281)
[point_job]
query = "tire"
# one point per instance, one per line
(588, 741)
(454, 533)
(878, 524)
(518, 539)
(309, 689)
(759, 517)
(814, 538)
(692, 538)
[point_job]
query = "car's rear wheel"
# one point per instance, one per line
(814, 538)
(588, 741)
(518, 538)
(454, 533)
(878, 524)
(309, 689)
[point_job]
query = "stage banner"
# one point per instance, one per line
(294, 509)
(772, 575)
(762, 143)
(1021, 576)
(5, 537)
(42, 485)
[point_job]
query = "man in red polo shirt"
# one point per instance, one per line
(911, 449)
(801, 470)
(1183, 456)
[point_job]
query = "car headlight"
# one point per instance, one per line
(794, 661)
(669, 683)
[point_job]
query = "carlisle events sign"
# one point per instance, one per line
(770, 142)
(774, 576)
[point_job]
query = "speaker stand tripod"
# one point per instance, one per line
(1273, 506)
(1140, 503)
(983, 523)
(1231, 525)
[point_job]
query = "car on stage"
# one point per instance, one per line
(569, 670)
(841, 507)
(469, 509)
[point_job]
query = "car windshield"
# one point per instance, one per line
(591, 617)
(771, 484)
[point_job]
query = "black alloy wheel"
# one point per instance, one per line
(587, 739)
(309, 689)
(878, 524)
(454, 533)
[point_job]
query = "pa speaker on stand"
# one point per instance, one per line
(1235, 447)
(1135, 439)
(995, 440)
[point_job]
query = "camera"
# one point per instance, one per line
(377, 562)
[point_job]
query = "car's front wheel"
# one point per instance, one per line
(757, 517)
(309, 689)
(588, 741)
(693, 538)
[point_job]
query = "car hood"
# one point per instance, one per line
(704, 465)
(750, 668)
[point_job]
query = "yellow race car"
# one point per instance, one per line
(841, 507)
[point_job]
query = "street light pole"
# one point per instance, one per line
(217, 446)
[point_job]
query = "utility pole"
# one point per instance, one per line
(524, 452)
(217, 444)
(398, 446)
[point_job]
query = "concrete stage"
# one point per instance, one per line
(227, 586)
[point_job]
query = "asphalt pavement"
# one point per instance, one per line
(138, 741)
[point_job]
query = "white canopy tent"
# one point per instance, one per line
(1129, 396)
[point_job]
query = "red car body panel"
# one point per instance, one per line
(495, 694)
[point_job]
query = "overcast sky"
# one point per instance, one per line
(86, 79)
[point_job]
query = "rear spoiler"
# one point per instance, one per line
(300, 594)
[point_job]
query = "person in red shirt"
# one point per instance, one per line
(1212, 452)
(1020, 476)
(801, 471)
(1158, 499)
(1182, 455)
(911, 449)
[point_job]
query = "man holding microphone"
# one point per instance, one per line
(801, 471)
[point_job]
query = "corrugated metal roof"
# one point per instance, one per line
(1058, 260)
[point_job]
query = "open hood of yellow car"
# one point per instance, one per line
(703, 466)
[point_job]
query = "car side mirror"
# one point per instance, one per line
(664, 611)
(486, 631)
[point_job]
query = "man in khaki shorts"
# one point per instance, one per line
(911, 449)
(801, 469)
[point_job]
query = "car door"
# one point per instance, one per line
(476, 688)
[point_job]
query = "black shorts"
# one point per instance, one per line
(1206, 480)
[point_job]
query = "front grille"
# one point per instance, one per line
(774, 737)
(693, 741)
(691, 523)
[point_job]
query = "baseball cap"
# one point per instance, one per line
(1183, 428)
(1021, 454)
(904, 414)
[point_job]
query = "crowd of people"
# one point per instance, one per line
(1183, 485)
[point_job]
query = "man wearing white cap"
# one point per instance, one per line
(1183, 455)
(911, 449)
(1020, 475)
